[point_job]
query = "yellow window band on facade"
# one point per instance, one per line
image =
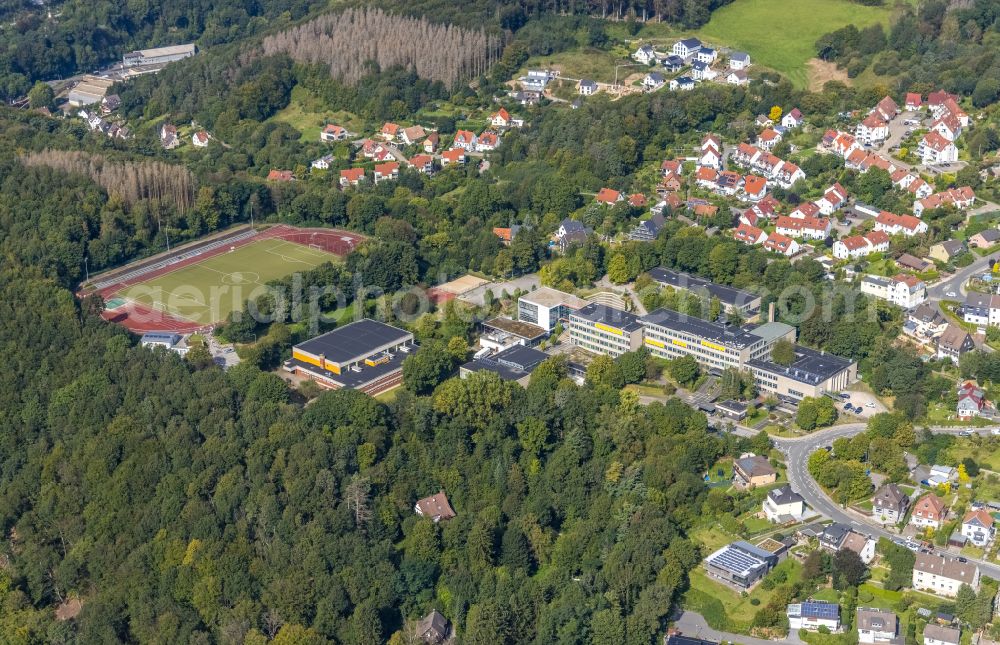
(655, 343)
(610, 330)
(679, 343)
(718, 348)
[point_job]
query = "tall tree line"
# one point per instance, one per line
(133, 181)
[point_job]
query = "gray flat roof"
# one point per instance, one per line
(810, 367)
(355, 341)
(518, 328)
(511, 364)
(605, 315)
(729, 335)
(680, 280)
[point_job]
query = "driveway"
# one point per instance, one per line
(693, 624)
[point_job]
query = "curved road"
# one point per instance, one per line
(797, 451)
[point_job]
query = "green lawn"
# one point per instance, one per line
(595, 64)
(783, 37)
(207, 291)
(738, 608)
(305, 112)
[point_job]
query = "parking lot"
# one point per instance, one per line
(868, 403)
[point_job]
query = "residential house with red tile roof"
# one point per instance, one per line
(887, 109)
(332, 132)
(386, 171)
(465, 140)
(453, 156)
(500, 118)
(929, 511)
(768, 139)
(936, 149)
(810, 228)
(748, 234)
(754, 187)
(280, 175)
(778, 243)
(351, 177)
(893, 224)
(608, 196)
(389, 131)
(960, 198)
(423, 163)
(913, 101)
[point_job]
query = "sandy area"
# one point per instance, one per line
(821, 71)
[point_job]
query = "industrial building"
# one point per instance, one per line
(738, 301)
(90, 90)
(547, 307)
(158, 55)
(605, 330)
(365, 355)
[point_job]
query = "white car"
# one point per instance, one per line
(869, 405)
(996, 431)
(950, 294)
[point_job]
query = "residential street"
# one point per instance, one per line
(797, 453)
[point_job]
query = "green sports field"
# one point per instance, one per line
(207, 291)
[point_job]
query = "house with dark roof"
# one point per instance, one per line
(751, 471)
(435, 507)
(954, 342)
(889, 504)
(878, 626)
(943, 576)
(813, 614)
(434, 628)
(783, 505)
(740, 564)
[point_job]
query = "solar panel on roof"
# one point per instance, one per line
(820, 609)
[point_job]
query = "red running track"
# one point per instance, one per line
(141, 319)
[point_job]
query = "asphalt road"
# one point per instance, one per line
(797, 453)
(955, 283)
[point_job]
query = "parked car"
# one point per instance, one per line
(965, 433)
(844, 395)
(848, 407)
(869, 405)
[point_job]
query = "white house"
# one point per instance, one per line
(941, 635)
(872, 130)
(682, 83)
(978, 527)
(706, 55)
(782, 505)
(812, 615)
(686, 48)
(894, 224)
(653, 81)
(948, 126)
(792, 119)
(737, 77)
(702, 71)
(943, 576)
(877, 626)
(323, 163)
(332, 132)
(834, 197)
(644, 55)
(778, 243)
(905, 291)
(200, 139)
(858, 246)
(936, 149)
(739, 60)
(586, 87)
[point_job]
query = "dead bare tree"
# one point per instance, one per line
(358, 498)
(130, 180)
(345, 41)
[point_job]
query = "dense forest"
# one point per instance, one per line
(179, 503)
(941, 44)
(80, 36)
